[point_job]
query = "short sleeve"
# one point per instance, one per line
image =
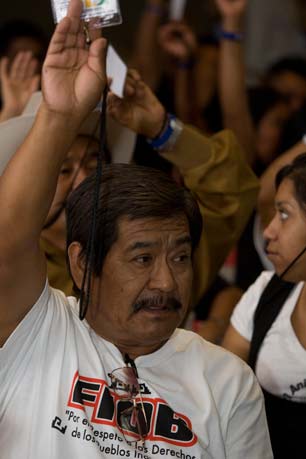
(243, 314)
(16, 349)
(247, 433)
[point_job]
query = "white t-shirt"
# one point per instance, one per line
(56, 403)
(281, 363)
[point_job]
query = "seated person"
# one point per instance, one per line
(77, 381)
(268, 324)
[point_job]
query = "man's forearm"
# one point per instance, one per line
(146, 51)
(267, 186)
(232, 88)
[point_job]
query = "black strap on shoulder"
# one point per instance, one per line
(270, 304)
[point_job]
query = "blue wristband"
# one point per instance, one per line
(165, 135)
(185, 65)
(231, 36)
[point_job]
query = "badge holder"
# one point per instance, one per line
(97, 13)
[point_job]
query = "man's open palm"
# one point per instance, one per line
(73, 75)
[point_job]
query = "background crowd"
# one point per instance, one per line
(244, 70)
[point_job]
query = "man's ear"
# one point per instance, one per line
(76, 263)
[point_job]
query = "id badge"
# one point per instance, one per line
(100, 13)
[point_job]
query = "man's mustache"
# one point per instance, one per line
(169, 302)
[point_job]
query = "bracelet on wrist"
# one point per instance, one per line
(168, 136)
(231, 36)
(187, 64)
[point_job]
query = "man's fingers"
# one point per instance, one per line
(75, 9)
(67, 32)
(132, 80)
(129, 87)
(4, 64)
(114, 104)
(35, 84)
(21, 66)
(97, 57)
(134, 74)
(18, 65)
(32, 68)
(58, 39)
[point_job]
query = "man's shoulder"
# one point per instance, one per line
(215, 360)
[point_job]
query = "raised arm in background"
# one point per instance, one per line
(265, 205)
(178, 41)
(214, 169)
(18, 81)
(146, 57)
(232, 78)
(73, 79)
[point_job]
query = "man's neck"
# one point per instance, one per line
(132, 349)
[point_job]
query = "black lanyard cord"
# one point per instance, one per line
(89, 260)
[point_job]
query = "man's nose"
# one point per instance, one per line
(162, 277)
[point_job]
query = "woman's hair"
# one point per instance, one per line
(294, 129)
(296, 65)
(262, 99)
(130, 191)
(296, 172)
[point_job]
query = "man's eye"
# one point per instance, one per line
(143, 259)
(183, 258)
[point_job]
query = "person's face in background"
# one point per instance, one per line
(292, 86)
(26, 44)
(80, 162)
(269, 131)
(286, 233)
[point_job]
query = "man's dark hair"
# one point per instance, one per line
(296, 172)
(131, 191)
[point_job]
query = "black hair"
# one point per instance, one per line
(19, 28)
(294, 64)
(294, 129)
(131, 191)
(296, 172)
(262, 99)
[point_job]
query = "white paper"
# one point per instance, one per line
(116, 70)
(177, 9)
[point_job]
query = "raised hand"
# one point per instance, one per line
(233, 9)
(18, 82)
(73, 75)
(139, 110)
(177, 40)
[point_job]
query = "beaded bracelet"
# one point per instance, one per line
(188, 64)
(231, 36)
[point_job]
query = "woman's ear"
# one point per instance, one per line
(76, 263)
